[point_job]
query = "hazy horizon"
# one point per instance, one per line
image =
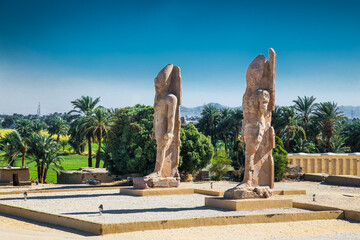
(55, 52)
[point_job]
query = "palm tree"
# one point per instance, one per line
(12, 144)
(59, 127)
(210, 117)
(24, 127)
(63, 144)
(327, 114)
(229, 126)
(277, 120)
(236, 117)
(82, 107)
(85, 105)
(97, 124)
(38, 126)
(302, 145)
(77, 140)
(305, 106)
(291, 126)
(338, 144)
(351, 130)
(45, 151)
(224, 128)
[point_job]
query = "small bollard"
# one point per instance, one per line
(25, 196)
(314, 198)
(101, 208)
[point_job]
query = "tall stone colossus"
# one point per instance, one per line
(166, 130)
(258, 135)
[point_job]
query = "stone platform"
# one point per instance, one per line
(158, 182)
(290, 192)
(156, 191)
(211, 192)
(124, 213)
(247, 204)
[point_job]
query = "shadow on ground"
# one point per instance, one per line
(127, 211)
(65, 229)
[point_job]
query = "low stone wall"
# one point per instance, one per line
(79, 176)
(343, 180)
(329, 163)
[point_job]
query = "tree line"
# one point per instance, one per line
(121, 135)
(124, 145)
(306, 126)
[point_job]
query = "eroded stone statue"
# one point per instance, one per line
(258, 135)
(166, 130)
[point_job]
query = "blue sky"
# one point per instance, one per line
(53, 52)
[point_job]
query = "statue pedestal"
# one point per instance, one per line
(156, 191)
(158, 182)
(247, 204)
(248, 193)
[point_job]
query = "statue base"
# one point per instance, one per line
(248, 193)
(247, 204)
(157, 182)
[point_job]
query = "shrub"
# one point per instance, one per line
(280, 159)
(196, 150)
(280, 163)
(131, 150)
(220, 165)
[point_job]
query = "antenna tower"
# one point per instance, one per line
(38, 109)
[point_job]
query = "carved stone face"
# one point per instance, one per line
(263, 105)
(263, 98)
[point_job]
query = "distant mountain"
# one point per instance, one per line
(348, 111)
(196, 111)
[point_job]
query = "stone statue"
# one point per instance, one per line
(166, 130)
(258, 135)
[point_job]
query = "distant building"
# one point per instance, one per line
(16, 176)
(184, 121)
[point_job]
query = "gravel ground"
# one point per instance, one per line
(343, 197)
(121, 208)
(330, 195)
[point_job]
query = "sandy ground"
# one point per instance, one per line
(338, 196)
(11, 228)
(123, 208)
(345, 197)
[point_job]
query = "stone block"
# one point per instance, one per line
(160, 182)
(249, 192)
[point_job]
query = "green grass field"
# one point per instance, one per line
(71, 162)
